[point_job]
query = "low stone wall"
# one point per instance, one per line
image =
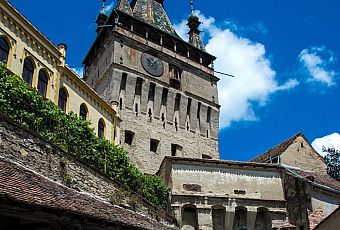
(20, 145)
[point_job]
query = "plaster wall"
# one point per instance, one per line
(232, 182)
(328, 203)
(301, 154)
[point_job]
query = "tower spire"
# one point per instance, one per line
(194, 33)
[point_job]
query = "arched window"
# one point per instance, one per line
(263, 220)
(189, 217)
(240, 218)
(101, 128)
(218, 217)
(62, 99)
(83, 111)
(4, 50)
(42, 82)
(27, 73)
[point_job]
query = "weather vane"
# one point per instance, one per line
(192, 6)
(103, 7)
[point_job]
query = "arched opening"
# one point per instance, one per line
(101, 128)
(263, 220)
(42, 82)
(240, 219)
(83, 111)
(62, 99)
(189, 217)
(4, 50)
(218, 217)
(28, 71)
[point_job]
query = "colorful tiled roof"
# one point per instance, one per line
(21, 185)
(124, 5)
(152, 12)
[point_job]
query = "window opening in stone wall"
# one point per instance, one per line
(101, 128)
(150, 115)
(177, 101)
(129, 135)
(152, 89)
(176, 124)
(154, 145)
(83, 112)
(240, 218)
(4, 50)
(175, 150)
(263, 220)
(28, 71)
(42, 82)
(138, 88)
(123, 81)
(199, 110)
(209, 115)
(62, 99)
(175, 77)
(165, 96)
(240, 192)
(189, 106)
(218, 218)
(189, 217)
(120, 103)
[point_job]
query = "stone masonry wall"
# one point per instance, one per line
(193, 133)
(28, 149)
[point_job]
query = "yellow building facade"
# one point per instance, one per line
(28, 53)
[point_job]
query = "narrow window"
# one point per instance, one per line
(189, 217)
(83, 112)
(123, 81)
(175, 149)
(27, 73)
(4, 50)
(101, 128)
(199, 110)
(205, 156)
(42, 82)
(218, 218)
(154, 145)
(138, 89)
(120, 103)
(62, 99)
(175, 77)
(209, 115)
(129, 135)
(177, 102)
(152, 92)
(189, 106)
(165, 96)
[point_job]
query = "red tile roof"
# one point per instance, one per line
(22, 185)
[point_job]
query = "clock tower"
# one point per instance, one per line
(165, 87)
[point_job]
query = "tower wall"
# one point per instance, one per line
(182, 131)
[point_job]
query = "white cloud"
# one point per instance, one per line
(330, 141)
(316, 61)
(255, 79)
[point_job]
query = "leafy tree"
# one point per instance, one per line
(332, 160)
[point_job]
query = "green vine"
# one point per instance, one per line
(25, 105)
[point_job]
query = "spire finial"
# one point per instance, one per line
(103, 7)
(192, 7)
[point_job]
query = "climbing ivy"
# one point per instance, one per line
(28, 107)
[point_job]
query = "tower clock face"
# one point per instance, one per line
(153, 65)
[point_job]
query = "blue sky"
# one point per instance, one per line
(284, 54)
